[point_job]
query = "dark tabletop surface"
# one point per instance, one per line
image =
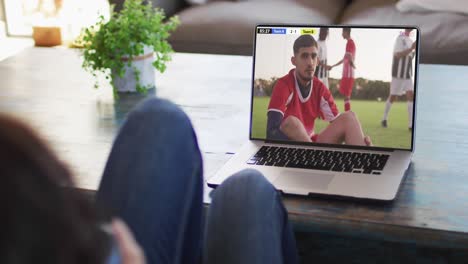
(48, 89)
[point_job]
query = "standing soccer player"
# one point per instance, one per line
(322, 67)
(402, 72)
(347, 80)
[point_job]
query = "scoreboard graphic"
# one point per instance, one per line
(287, 31)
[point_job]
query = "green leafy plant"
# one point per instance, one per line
(110, 46)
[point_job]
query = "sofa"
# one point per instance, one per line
(226, 27)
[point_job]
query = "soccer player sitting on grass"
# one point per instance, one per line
(299, 98)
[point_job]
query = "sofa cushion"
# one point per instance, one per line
(200, 2)
(455, 6)
(227, 27)
(444, 36)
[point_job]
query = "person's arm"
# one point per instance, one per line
(338, 63)
(273, 126)
(350, 51)
(405, 52)
(324, 65)
(321, 61)
(350, 59)
(276, 110)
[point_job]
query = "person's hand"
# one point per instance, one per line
(367, 141)
(130, 251)
(329, 67)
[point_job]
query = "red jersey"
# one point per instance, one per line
(348, 71)
(287, 99)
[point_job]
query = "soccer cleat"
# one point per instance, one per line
(384, 123)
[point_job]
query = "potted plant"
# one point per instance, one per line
(129, 47)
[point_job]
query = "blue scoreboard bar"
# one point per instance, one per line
(278, 31)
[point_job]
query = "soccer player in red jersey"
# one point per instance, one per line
(347, 80)
(299, 98)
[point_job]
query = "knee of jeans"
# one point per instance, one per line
(249, 181)
(155, 104)
(163, 110)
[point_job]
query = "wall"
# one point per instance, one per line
(2, 21)
(2, 14)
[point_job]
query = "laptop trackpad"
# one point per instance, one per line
(305, 181)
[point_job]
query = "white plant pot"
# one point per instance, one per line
(144, 65)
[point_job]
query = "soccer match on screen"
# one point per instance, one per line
(337, 85)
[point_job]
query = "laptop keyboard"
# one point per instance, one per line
(328, 160)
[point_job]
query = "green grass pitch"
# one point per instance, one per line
(396, 135)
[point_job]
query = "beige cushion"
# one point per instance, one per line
(444, 36)
(227, 27)
(197, 2)
(201, 2)
(455, 6)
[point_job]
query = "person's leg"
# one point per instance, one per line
(293, 128)
(388, 105)
(153, 181)
(409, 99)
(345, 128)
(247, 223)
(346, 88)
(347, 103)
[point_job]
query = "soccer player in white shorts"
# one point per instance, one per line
(402, 75)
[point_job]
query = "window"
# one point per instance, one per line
(70, 15)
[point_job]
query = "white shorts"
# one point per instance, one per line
(401, 86)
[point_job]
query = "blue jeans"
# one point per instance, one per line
(153, 180)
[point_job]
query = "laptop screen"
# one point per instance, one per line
(342, 86)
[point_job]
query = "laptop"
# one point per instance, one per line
(332, 110)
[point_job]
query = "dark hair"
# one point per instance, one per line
(304, 41)
(347, 29)
(323, 33)
(43, 220)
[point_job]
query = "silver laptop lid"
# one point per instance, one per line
(311, 82)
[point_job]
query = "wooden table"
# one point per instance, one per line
(47, 88)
